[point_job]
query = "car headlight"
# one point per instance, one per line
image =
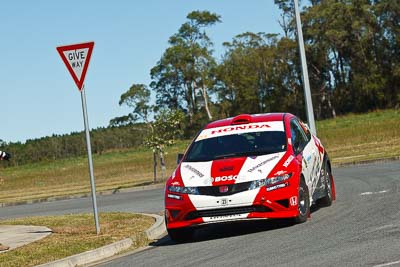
(257, 184)
(269, 181)
(278, 179)
(183, 190)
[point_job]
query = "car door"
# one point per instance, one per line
(317, 155)
(304, 148)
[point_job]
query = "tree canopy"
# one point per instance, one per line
(352, 49)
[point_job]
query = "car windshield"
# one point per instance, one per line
(236, 145)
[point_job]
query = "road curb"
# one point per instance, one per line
(156, 231)
(92, 255)
(364, 162)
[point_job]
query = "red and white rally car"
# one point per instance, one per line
(260, 166)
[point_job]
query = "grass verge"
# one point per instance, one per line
(73, 234)
(348, 139)
(361, 137)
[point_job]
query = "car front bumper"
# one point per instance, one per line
(261, 203)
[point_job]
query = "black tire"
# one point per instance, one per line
(181, 234)
(303, 203)
(326, 201)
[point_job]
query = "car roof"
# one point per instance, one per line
(248, 118)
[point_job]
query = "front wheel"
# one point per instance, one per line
(304, 203)
(181, 234)
(326, 201)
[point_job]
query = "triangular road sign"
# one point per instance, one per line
(76, 57)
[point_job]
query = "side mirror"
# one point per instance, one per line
(179, 158)
(306, 129)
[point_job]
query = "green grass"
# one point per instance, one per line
(74, 234)
(348, 139)
(355, 138)
(113, 170)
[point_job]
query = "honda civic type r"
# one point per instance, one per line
(261, 166)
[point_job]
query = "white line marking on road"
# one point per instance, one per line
(385, 226)
(373, 193)
(387, 264)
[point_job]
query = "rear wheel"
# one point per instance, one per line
(326, 201)
(304, 203)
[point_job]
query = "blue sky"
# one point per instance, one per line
(37, 94)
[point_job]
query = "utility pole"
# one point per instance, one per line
(306, 83)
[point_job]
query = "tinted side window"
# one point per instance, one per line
(299, 139)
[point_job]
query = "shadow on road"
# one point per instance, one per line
(227, 230)
(232, 229)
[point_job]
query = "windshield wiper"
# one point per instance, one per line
(232, 155)
(263, 152)
(247, 154)
(198, 160)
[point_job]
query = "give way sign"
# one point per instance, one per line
(76, 57)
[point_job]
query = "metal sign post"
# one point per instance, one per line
(90, 162)
(76, 58)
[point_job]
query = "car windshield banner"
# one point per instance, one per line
(241, 129)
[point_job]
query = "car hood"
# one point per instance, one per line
(229, 171)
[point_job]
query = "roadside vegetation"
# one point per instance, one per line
(348, 139)
(73, 234)
(355, 138)
(113, 171)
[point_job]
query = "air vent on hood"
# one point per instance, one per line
(241, 119)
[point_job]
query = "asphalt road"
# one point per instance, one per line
(362, 228)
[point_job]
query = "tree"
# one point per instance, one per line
(287, 21)
(352, 51)
(350, 60)
(259, 73)
(137, 98)
(387, 49)
(161, 132)
(184, 76)
(164, 131)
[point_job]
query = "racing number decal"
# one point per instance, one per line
(223, 201)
